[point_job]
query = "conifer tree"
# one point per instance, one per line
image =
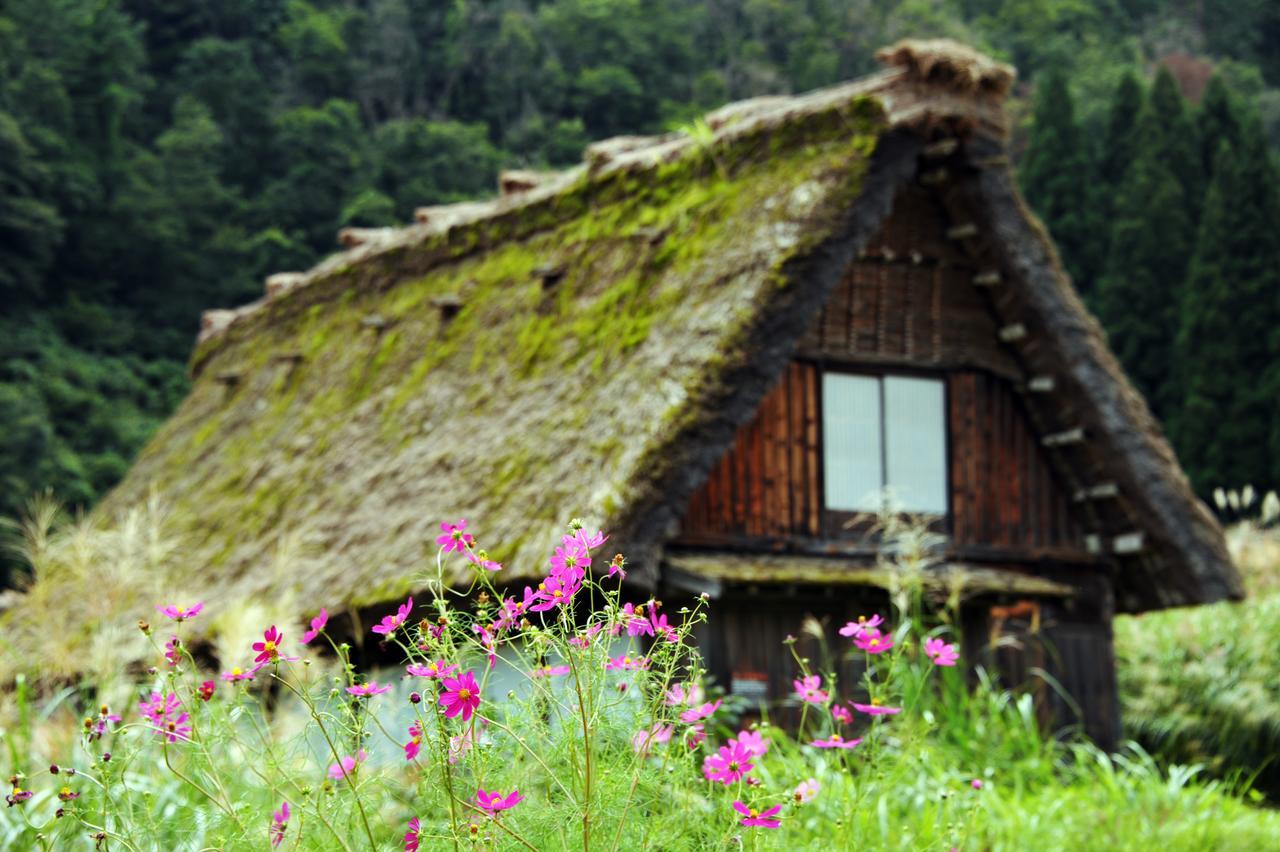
(1174, 138)
(1151, 239)
(1055, 177)
(1216, 122)
(1227, 430)
(1120, 141)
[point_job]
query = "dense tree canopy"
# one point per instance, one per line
(158, 157)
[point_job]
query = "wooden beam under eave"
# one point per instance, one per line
(1130, 542)
(990, 278)
(1064, 438)
(1102, 491)
(962, 231)
(1012, 332)
(1041, 384)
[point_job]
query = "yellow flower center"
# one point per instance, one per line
(875, 702)
(237, 671)
(464, 693)
(269, 647)
(754, 813)
(542, 587)
(874, 642)
(835, 738)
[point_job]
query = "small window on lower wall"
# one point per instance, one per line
(884, 443)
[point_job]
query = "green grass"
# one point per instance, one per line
(1202, 685)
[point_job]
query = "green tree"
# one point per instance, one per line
(1227, 430)
(1120, 141)
(1216, 122)
(1170, 133)
(1055, 176)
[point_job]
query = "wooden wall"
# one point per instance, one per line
(767, 490)
(1003, 491)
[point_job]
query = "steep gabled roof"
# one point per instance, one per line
(588, 343)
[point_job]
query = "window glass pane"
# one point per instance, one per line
(851, 442)
(916, 444)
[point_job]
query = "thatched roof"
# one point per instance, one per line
(586, 344)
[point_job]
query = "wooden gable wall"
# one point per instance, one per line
(907, 304)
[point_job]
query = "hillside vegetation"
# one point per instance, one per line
(160, 158)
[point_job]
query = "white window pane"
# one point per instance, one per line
(851, 442)
(916, 444)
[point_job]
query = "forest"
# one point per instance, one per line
(160, 157)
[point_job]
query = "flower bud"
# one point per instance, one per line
(144, 627)
(415, 698)
(53, 769)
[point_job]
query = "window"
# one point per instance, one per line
(884, 436)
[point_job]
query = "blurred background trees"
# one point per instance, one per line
(159, 157)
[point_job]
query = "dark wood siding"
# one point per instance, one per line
(768, 486)
(1004, 494)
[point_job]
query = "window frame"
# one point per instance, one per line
(843, 523)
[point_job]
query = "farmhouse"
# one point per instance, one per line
(728, 348)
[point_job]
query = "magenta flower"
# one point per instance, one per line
(207, 689)
(347, 766)
(570, 559)
(809, 689)
(626, 664)
(976, 783)
(181, 613)
(644, 740)
(550, 671)
(681, 694)
(414, 745)
(279, 822)
(583, 640)
(461, 695)
(492, 803)
(875, 708)
(18, 796)
(634, 619)
(482, 560)
(873, 641)
(753, 817)
(728, 765)
(556, 590)
(162, 712)
(752, 741)
(695, 736)
(700, 712)
(95, 729)
(317, 626)
(454, 537)
(391, 622)
(269, 648)
(942, 653)
(238, 673)
(863, 624)
(616, 566)
(585, 540)
(836, 741)
(365, 690)
(841, 714)
(807, 791)
(172, 651)
(661, 627)
(461, 744)
(411, 836)
(438, 669)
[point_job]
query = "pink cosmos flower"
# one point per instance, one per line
(700, 712)
(461, 744)
(95, 729)
(836, 741)
(857, 628)
(556, 590)
(486, 639)
(809, 689)
(269, 648)
(317, 626)
(876, 709)
(635, 621)
(681, 694)
(238, 673)
(181, 613)
(512, 609)
(570, 559)
(841, 714)
(585, 540)
(728, 765)
(627, 664)
(206, 689)
(461, 695)
(661, 627)
(414, 745)
(455, 536)
(161, 712)
(873, 641)
(18, 796)
(347, 767)
(807, 791)
(438, 669)
(752, 741)
(753, 817)
(411, 836)
(550, 671)
(279, 822)
(583, 640)
(616, 566)
(976, 783)
(364, 690)
(172, 651)
(695, 736)
(942, 653)
(645, 739)
(482, 560)
(492, 803)
(389, 623)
